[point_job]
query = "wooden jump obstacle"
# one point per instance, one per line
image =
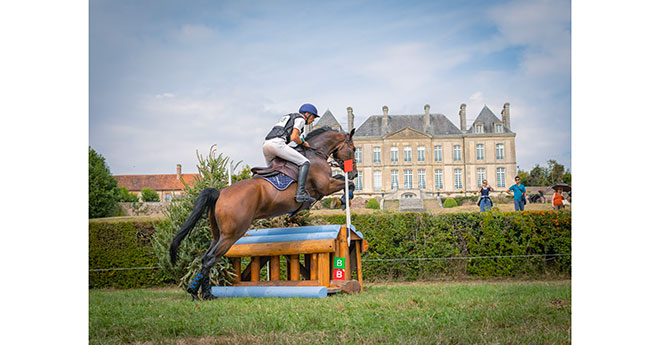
(317, 246)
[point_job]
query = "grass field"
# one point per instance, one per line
(483, 312)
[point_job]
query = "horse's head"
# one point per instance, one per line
(345, 151)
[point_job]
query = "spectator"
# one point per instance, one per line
(484, 202)
(558, 200)
(519, 193)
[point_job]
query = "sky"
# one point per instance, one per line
(168, 79)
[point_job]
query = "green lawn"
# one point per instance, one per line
(517, 312)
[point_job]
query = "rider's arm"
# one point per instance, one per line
(295, 137)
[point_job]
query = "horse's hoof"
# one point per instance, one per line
(208, 297)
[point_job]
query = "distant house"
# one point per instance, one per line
(168, 186)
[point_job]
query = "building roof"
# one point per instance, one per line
(373, 126)
(489, 119)
(168, 182)
(328, 120)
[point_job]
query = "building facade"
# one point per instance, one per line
(426, 155)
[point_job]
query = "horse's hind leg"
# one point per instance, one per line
(200, 278)
(208, 260)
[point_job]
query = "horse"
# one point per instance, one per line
(232, 209)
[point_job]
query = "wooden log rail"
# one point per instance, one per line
(315, 245)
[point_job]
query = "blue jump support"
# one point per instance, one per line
(270, 291)
(301, 233)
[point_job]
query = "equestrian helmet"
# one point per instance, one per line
(308, 108)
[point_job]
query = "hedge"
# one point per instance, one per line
(123, 244)
(402, 246)
(411, 246)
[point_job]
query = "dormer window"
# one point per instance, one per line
(479, 128)
(499, 128)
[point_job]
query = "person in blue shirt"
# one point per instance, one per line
(484, 200)
(519, 193)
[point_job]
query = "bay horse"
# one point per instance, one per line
(232, 209)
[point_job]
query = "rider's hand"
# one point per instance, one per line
(306, 144)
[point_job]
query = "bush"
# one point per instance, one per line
(149, 195)
(449, 203)
(126, 196)
(373, 204)
(125, 244)
(443, 240)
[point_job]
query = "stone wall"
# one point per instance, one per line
(143, 208)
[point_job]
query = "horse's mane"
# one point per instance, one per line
(320, 130)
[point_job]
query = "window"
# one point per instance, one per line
(394, 175)
(407, 154)
(480, 152)
(499, 128)
(407, 179)
(438, 178)
(500, 178)
(421, 178)
(377, 154)
(458, 178)
(358, 155)
(457, 152)
(479, 128)
(168, 197)
(408, 196)
(358, 180)
(394, 154)
(421, 153)
(378, 180)
(499, 151)
(481, 175)
(437, 153)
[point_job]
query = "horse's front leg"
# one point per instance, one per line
(351, 188)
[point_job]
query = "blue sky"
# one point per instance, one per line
(167, 79)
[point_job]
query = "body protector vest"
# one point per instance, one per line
(284, 127)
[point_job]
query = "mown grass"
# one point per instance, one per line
(397, 313)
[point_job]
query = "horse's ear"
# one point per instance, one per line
(350, 135)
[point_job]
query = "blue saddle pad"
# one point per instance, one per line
(279, 181)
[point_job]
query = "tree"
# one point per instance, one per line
(245, 174)
(556, 172)
(103, 191)
(149, 194)
(213, 173)
(126, 196)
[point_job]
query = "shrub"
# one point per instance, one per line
(126, 196)
(126, 245)
(373, 204)
(213, 174)
(149, 195)
(449, 203)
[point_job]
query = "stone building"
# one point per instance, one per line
(425, 155)
(168, 186)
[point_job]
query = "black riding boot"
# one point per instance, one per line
(301, 193)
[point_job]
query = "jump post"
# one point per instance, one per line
(317, 246)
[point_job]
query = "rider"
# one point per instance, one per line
(284, 137)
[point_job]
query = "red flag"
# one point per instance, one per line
(348, 165)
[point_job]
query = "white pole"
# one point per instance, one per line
(229, 172)
(348, 210)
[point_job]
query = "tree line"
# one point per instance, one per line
(545, 176)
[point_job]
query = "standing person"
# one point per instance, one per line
(557, 201)
(282, 140)
(519, 193)
(484, 200)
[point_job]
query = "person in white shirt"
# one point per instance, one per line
(284, 137)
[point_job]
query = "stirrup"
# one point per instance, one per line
(305, 197)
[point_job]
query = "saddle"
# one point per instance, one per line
(278, 166)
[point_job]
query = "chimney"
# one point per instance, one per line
(178, 172)
(427, 116)
(506, 116)
(461, 114)
(385, 120)
(351, 118)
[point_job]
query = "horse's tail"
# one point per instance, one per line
(206, 199)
